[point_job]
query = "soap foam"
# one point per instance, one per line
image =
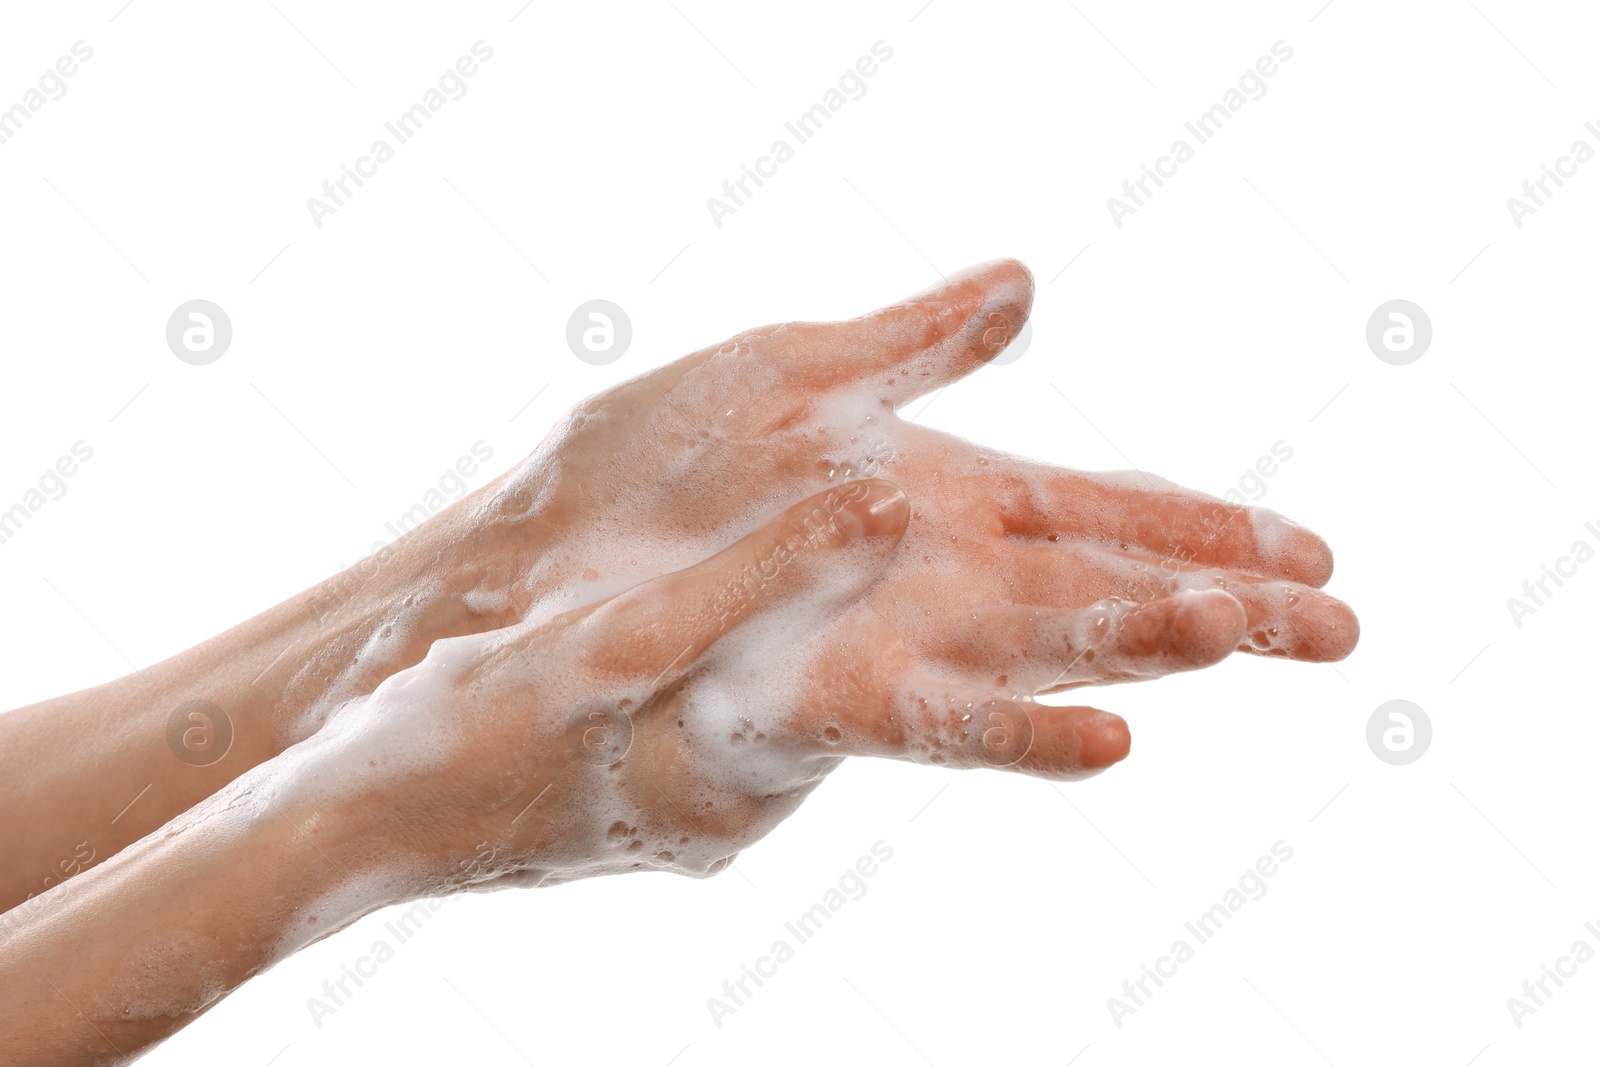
(717, 445)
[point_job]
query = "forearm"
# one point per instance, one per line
(84, 775)
(127, 953)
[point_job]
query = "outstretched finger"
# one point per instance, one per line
(920, 344)
(1134, 511)
(1033, 648)
(970, 731)
(1285, 618)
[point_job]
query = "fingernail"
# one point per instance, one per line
(1295, 550)
(1104, 741)
(882, 512)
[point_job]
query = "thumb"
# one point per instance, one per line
(826, 548)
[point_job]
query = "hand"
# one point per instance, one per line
(563, 748)
(505, 698)
(477, 767)
(1016, 579)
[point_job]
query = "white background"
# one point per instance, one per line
(1226, 315)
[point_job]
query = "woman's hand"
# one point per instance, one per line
(570, 672)
(571, 746)
(1013, 579)
(1016, 578)
(544, 751)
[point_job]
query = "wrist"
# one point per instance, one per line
(339, 639)
(160, 931)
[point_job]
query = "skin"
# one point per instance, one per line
(642, 647)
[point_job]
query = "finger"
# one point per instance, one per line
(970, 732)
(1293, 621)
(1284, 618)
(922, 343)
(1133, 511)
(1032, 648)
(827, 548)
